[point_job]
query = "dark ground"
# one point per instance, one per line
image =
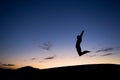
(79, 72)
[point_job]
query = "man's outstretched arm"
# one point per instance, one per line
(82, 33)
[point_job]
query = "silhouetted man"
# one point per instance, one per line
(78, 42)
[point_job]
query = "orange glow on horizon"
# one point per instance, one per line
(65, 61)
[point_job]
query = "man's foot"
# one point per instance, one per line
(84, 52)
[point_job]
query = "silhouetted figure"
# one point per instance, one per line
(78, 42)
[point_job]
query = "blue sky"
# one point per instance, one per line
(27, 25)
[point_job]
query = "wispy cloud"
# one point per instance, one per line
(108, 54)
(33, 58)
(46, 46)
(8, 64)
(51, 57)
(105, 50)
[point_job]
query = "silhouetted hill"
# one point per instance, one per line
(79, 72)
(27, 69)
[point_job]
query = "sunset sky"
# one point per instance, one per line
(42, 33)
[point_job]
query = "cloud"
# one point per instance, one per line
(108, 49)
(8, 64)
(105, 50)
(33, 58)
(108, 54)
(51, 57)
(46, 46)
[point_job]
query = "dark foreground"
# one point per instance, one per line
(81, 72)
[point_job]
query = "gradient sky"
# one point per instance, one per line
(42, 33)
